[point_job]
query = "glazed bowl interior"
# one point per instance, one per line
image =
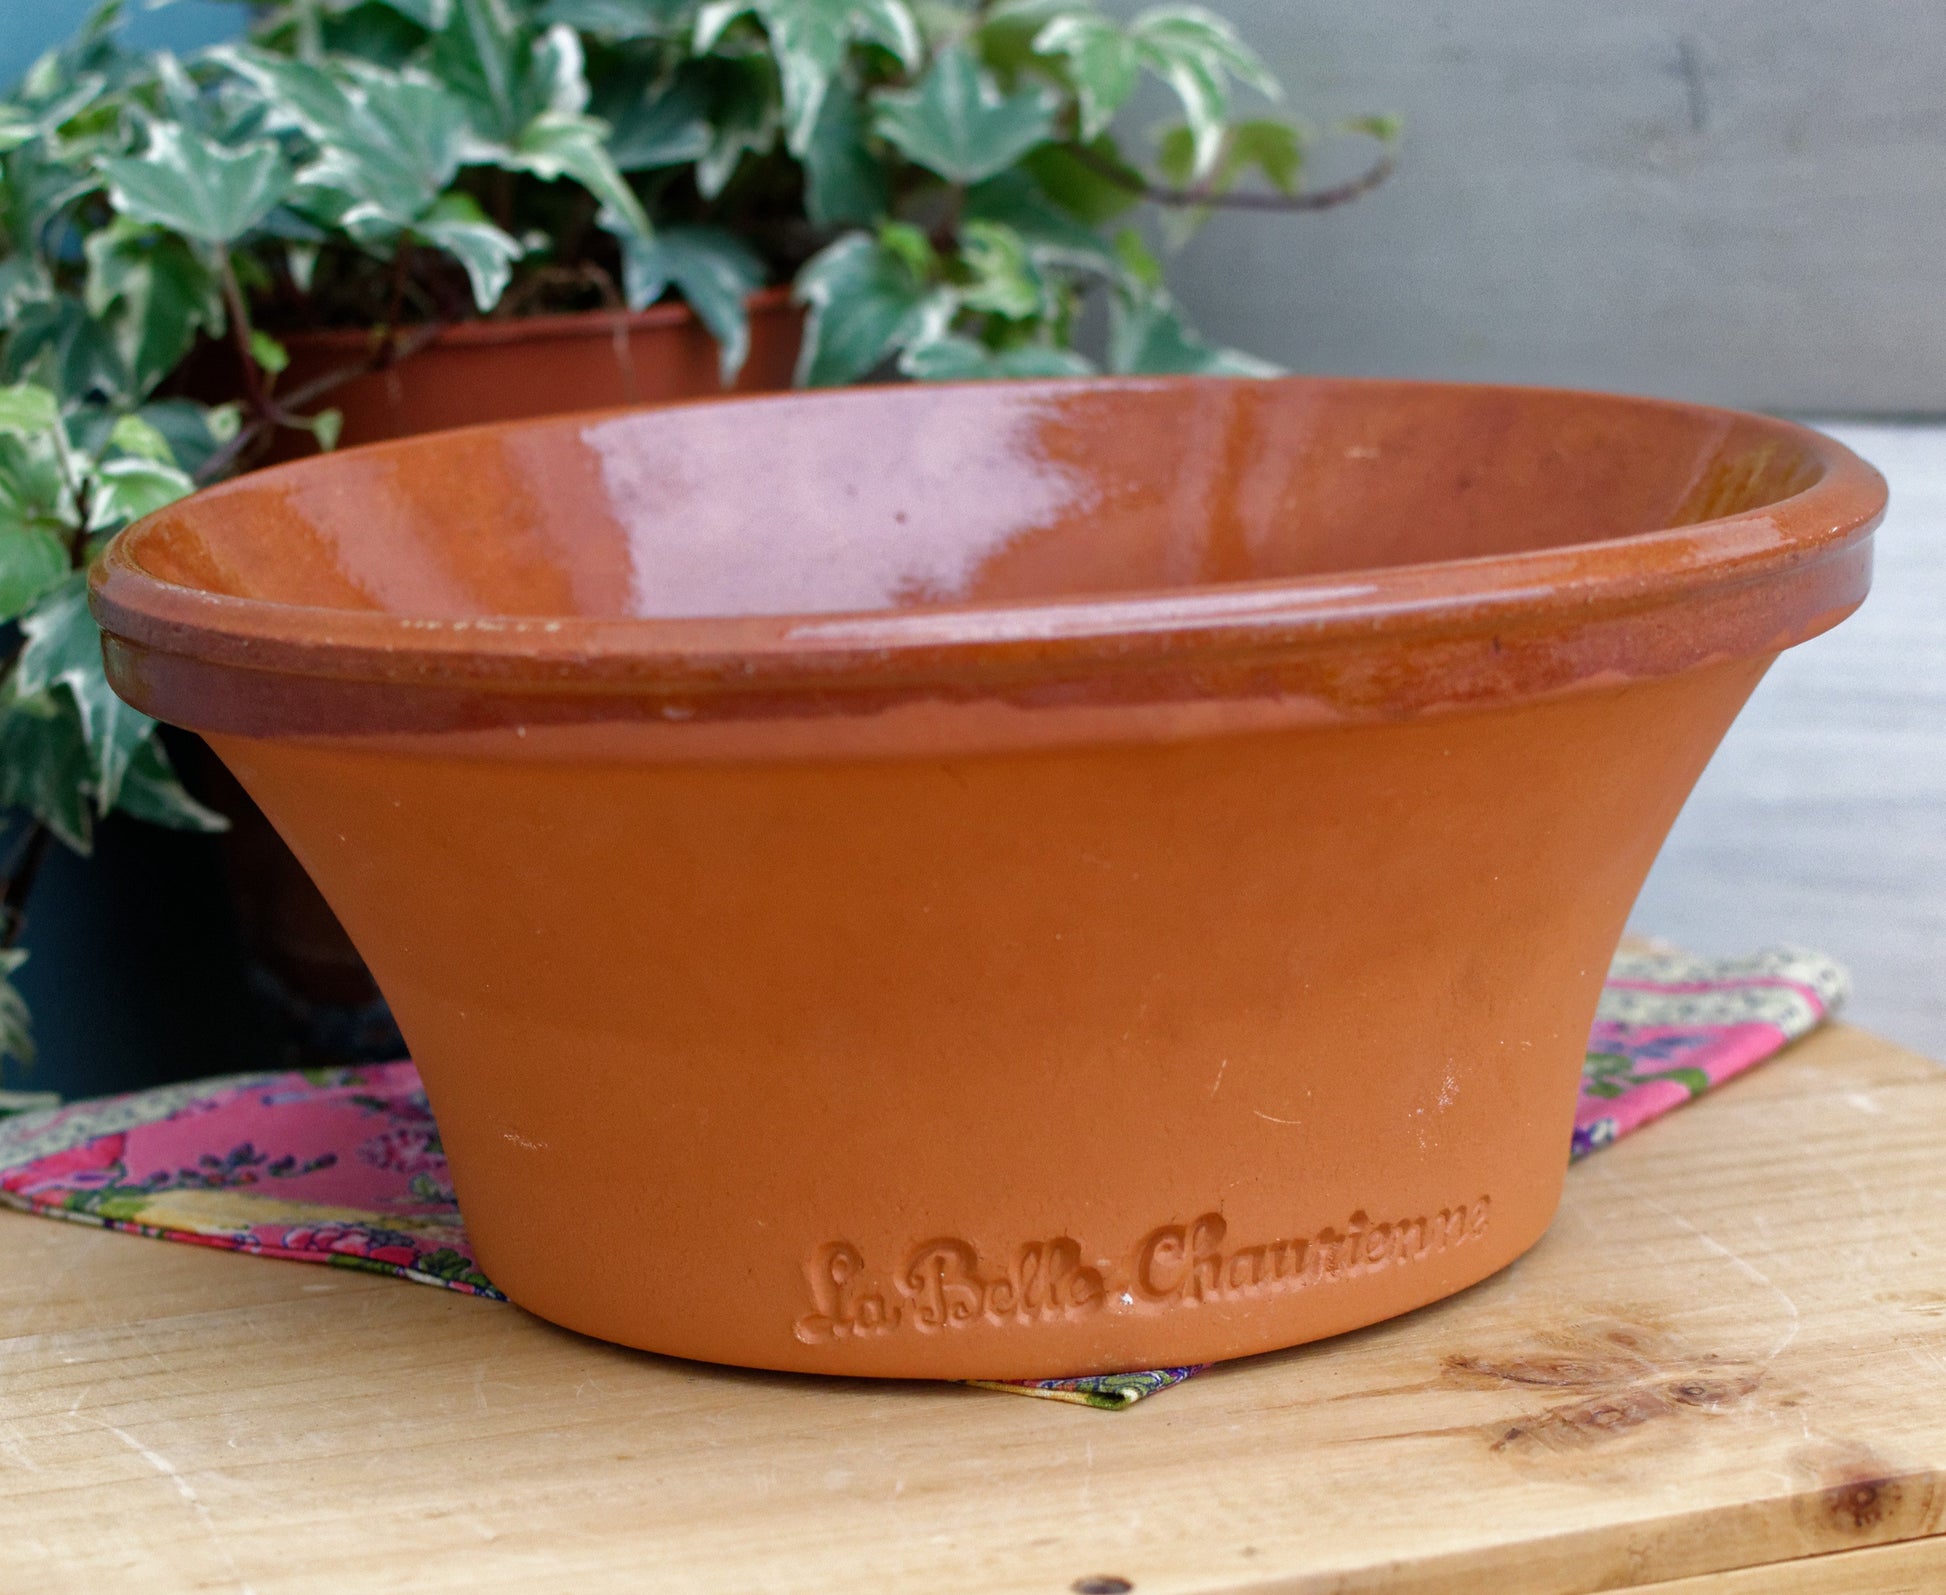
(1000, 494)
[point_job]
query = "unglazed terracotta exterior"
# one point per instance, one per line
(999, 881)
(510, 370)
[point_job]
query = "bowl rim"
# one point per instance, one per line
(1180, 627)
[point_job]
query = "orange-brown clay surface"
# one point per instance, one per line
(996, 881)
(476, 371)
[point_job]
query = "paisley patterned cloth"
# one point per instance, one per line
(345, 1166)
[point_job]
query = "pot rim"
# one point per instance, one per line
(1176, 629)
(484, 331)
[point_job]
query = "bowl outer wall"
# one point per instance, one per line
(1011, 1033)
(788, 1065)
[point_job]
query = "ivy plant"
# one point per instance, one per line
(945, 184)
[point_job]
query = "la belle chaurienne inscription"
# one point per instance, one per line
(946, 1284)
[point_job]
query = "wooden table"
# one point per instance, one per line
(1729, 1354)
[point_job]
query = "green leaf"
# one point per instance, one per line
(387, 143)
(477, 57)
(33, 562)
(129, 488)
(1102, 64)
(863, 303)
(268, 352)
(809, 40)
(1197, 53)
(558, 144)
(28, 410)
(17, 126)
(34, 484)
(23, 280)
(197, 187)
(134, 434)
(1275, 148)
(743, 118)
(843, 180)
(457, 225)
(16, 1026)
(714, 270)
(63, 649)
(1137, 259)
(1146, 335)
(150, 791)
(959, 124)
(1053, 236)
(428, 14)
(653, 124)
(912, 246)
(1004, 280)
(624, 19)
(154, 293)
(58, 344)
(44, 768)
(1386, 129)
(957, 359)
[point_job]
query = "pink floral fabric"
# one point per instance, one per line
(344, 1166)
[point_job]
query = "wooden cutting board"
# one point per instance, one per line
(1724, 1370)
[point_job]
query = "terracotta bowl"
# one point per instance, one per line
(1009, 880)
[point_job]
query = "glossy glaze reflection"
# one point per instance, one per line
(971, 944)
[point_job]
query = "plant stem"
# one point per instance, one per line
(239, 318)
(1202, 198)
(254, 431)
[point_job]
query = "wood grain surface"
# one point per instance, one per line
(1730, 1351)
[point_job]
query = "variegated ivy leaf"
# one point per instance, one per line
(197, 187)
(154, 293)
(16, 1028)
(150, 791)
(653, 123)
(478, 56)
(1198, 53)
(456, 224)
(128, 488)
(864, 302)
(959, 124)
(28, 410)
(1147, 336)
(1053, 237)
(33, 562)
(387, 143)
(18, 126)
(1005, 281)
(743, 118)
(558, 144)
(715, 271)
(136, 435)
(810, 39)
(1102, 63)
(63, 650)
(624, 19)
(844, 181)
(956, 359)
(44, 765)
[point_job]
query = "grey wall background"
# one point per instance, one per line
(1741, 201)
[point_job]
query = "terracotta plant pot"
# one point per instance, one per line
(527, 366)
(473, 372)
(1007, 880)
